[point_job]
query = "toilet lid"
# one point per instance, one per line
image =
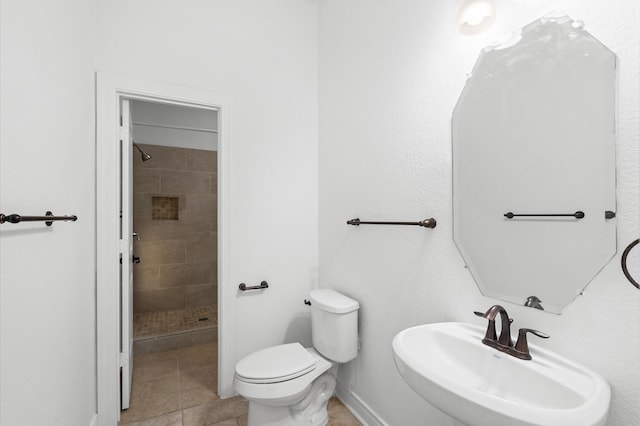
(276, 364)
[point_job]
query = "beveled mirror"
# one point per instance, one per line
(534, 165)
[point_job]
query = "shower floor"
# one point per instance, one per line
(151, 325)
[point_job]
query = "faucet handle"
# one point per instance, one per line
(490, 337)
(521, 350)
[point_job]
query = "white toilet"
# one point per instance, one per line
(288, 385)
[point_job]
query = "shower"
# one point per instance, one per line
(145, 156)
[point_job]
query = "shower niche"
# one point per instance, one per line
(175, 219)
(533, 137)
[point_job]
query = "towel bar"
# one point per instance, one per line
(48, 218)
(426, 223)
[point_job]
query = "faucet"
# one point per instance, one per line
(504, 342)
(490, 338)
(534, 302)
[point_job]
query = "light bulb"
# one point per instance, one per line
(475, 16)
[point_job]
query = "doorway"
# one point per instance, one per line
(155, 97)
(174, 212)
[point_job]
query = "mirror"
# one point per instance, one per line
(534, 134)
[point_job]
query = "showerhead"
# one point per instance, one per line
(144, 155)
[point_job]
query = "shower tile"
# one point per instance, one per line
(141, 204)
(214, 183)
(213, 272)
(201, 205)
(205, 337)
(183, 274)
(195, 228)
(187, 228)
(154, 230)
(199, 295)
(162, 157)
(172, 181)
(162, 344)
(153, 324)
(201, 160)
(158, 300)
(161, 252)
(215, 294)
(165, 208)
(202, 251)
(146, 180)
(145, 277)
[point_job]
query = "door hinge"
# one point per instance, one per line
(123, 246)
(124, 133)
(124, 359)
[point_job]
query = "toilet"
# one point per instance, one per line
(289, 385)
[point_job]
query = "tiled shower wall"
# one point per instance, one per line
(178, 267)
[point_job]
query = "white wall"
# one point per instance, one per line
(263, 57)
(47, 274)
(390, 74)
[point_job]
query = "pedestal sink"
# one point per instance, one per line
(448, 366)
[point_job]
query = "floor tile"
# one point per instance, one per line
(231, 422)
(179, 388)
(171, 419)
(243, 420)
(156, 356)
(215, 412)
(152, 398)
(339, 415)
(198, 387)
(144, 371)
(197, 357)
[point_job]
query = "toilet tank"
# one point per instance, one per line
(334, 324)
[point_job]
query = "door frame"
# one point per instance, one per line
(110, 88)
(126, 250)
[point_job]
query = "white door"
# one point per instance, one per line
(126, 253)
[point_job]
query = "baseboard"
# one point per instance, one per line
(358, 407)
(94, 420)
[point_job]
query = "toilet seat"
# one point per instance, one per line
(276, 364)
(282, 392)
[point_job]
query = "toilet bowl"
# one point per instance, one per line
(291, 396)
(289, 385)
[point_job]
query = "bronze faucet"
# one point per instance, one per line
(504, 342)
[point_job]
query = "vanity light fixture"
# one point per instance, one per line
(475, 17)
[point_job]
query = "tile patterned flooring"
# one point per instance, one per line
(153, 324)
(179, 388)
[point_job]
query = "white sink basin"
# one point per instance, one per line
(447, 365)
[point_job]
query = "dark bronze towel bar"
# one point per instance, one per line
(263, 284)
(48, 218)
(426, 223)
(577, 215)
